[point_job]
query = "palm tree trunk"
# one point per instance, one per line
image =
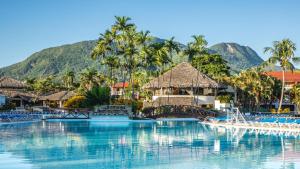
(170, 90)
(132, 85)
(257, 103)
(282, 91)
(111, 83)
(123, 92)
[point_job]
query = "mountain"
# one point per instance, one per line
(76, 57)
(55, 60)
(238, 57)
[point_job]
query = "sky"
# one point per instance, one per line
(28, 26)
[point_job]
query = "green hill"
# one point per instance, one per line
(53, 61)
(76, 57)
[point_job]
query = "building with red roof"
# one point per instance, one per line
(291, 78)
(121, 85)
(118, 88)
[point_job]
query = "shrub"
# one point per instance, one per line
(224, 98)
(97, 96)
(122, 102)
(8, 106)
(75, 102)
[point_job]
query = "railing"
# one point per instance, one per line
(113, 110)
(49, 114)
(235, 116)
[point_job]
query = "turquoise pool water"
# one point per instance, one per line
(141, 145)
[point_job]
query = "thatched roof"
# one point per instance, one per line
(14, 94)
(184, 75)
(8, 82)
(59, 96)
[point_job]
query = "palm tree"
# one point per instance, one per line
(127, 45)
(172, 47)
(296, 96)
(195, 48)
(68, 79)
(122, 24)
(103, 45)
(89, 78)
(200, 43)
(190, 51)
(150, 62)
(160, 51)
(282, 52)
(112, 62)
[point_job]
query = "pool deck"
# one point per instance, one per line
(266, 127)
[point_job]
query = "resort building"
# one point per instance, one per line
(183, 85)
(290, 78)
(15, 92)
(118, 88)
(56, 99)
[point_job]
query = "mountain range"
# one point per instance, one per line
(76, 57)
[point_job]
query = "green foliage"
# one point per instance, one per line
(224, 98)
(296, 95)
(90, 78)
(75, 102)
(97, 96)
(69, 80)
(45, 85)
(212, 65)
(282, 52)
(54, 61)
(195, 48)
(8, 106)
(254, 83)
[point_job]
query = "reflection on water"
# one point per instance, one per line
(157, 145)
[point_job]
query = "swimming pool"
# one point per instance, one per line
(142, 144)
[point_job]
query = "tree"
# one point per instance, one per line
(75, 102)
(211, 64)
(98, 95)
(68, 79)
(30, 83)
(296, 96)
(90, 78)
(150, 62)
(113, 63)
(44, 85)
(172, 47)
(254, 83)
(160, 51)
(282, 52)
(195, 48)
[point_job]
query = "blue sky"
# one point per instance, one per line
(27, 26)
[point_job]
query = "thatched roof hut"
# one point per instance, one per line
(59, 96)
(15, 93)
(184, 75)
(10, 83)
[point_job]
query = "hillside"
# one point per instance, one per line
(238, 57)
(76, 57)
(53, 61)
